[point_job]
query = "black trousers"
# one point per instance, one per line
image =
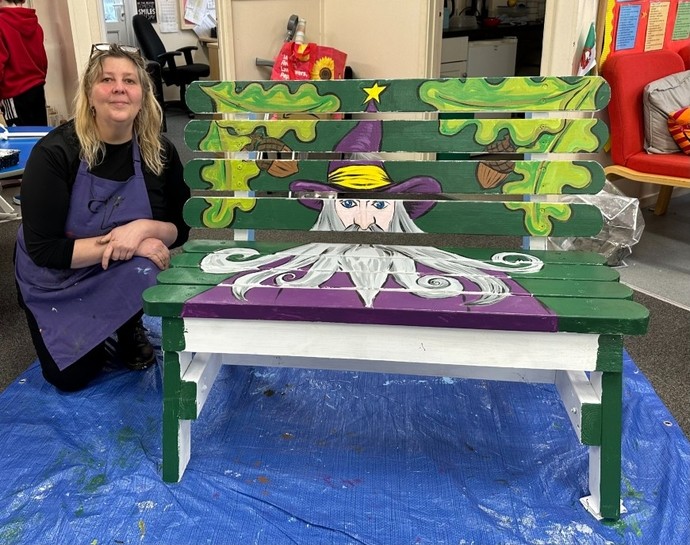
(29, 108)
(79, 374)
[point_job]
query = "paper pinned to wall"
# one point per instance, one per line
(656, 25)
(195, 10)
(167, 16)
(627, 27)
(207, 23)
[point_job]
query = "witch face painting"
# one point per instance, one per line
(375, 273)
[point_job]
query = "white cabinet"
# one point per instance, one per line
(487, 58)
(454, 57)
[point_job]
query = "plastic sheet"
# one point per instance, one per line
(623, 226)
(298, 456)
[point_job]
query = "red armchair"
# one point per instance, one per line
(627, 74)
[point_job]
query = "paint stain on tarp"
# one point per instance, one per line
(11, 532)
(336, 483)
(142, 528)
(623, 526)
(630, 492)
(94, 483)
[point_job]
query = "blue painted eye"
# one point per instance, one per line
(348, 203)
(380, 205)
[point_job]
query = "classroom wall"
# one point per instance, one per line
(395, 38)
(385, 38)
(71, 27)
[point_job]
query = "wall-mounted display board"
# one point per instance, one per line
(645, 25)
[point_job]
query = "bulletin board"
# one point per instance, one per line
(199, 7)
(636, 26)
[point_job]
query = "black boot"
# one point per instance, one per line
(133, 346)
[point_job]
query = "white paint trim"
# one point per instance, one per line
(575, 390)
(184, 445)
(404, 349)
(203, 372)
(397, 367)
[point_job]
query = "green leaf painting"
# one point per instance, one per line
(525, 94)
(231, 97)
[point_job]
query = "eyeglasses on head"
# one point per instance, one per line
(106, 47)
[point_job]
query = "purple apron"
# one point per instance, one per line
(76, 309)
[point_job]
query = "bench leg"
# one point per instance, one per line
(176, 432)
(187, 382)
(604, 500)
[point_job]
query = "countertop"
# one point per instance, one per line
(500, 31)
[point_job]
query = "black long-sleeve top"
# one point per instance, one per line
(47, 183)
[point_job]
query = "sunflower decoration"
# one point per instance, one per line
(323, 68)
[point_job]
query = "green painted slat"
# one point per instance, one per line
(189, 275)
(593, 273)
(550, 271)
(520, 94)
(603, 316)
(542, 135)
(576, 288)
(263, 248)
(167, 301)
(543, 287)
(186, 259)
(482, 177)
(458, 217)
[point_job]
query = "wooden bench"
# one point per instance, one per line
(313, 291)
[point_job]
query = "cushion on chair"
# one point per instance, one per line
(671, 164)
(679, 127)
(660, 98)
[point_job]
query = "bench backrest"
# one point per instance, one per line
(288, 148)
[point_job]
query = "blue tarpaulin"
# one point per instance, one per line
(285, 456)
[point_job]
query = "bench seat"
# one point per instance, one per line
(577, 297)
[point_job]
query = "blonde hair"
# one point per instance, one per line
(147, 123)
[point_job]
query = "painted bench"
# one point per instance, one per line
(330, 224)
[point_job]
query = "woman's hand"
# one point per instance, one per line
(122, 242)
(156, 251)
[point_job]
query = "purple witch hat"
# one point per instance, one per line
(366, 175)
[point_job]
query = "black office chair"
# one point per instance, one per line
(173, 74)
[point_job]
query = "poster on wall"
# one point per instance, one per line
(628, 18)
(147, 8)
(196, 12)
(681, 29)
(167, 16)
(656, 26)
